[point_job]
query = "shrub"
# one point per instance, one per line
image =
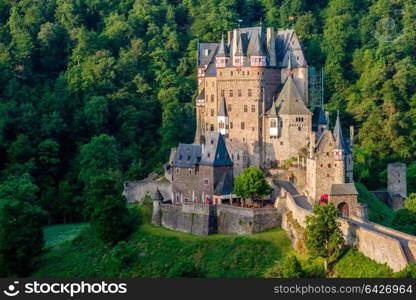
(291, 268)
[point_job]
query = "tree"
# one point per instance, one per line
(410, 203)
(21, 236)
(251, 184)
(405, 220)
(323, 236)
(107, 208)
(291, 268)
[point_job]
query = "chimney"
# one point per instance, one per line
(271, 45)
(235, 41)
(229, 35)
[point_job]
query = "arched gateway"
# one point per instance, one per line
(343, 210)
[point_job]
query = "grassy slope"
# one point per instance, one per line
(56, 234)
(379, 212)
(153, 251)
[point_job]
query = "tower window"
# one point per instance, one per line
(212, 112)
(239, 93)
(329, 166)
(206, 181)
(231, 125)
(222, 93)
(242, 125)
(212, 127)
(229, 107)
(299, 128)
(231, 93)
(245, 108)
(253, 108)
(273, 123)
(231, 73)
(212, 98)
(250, 92)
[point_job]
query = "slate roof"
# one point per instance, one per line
(340, 142)
(222, 49)
(224, 185)
(343, 189)
(289, 101)
(272, 111)
(252, 41)
(222, 112)
(215, 151)
(201, 95)
(187, 155)
(318, 118)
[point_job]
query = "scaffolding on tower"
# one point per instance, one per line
(316, 87)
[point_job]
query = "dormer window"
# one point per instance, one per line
(180, 157)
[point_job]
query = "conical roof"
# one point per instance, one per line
(272, 111)
(257, 46)
(290, 102)
(222, 111)
(240, 50)
(339, 138)
(222, 49)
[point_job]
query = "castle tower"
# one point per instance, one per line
(396, 179)
(222, 118)
(222, 57)
(339, 153)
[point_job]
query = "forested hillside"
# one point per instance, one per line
(92, 85)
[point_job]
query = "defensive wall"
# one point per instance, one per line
(204, 219)
(380, 243)
(135, 191)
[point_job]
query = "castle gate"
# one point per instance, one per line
(344, 210)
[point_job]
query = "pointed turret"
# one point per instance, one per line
(238, 58)
(273, 121)
(258, 56)
(222, 118)
(341, 148)
(222, 55)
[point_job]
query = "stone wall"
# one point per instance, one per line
(240, 220)
(135, 191)
(380, 243)
(193, 218)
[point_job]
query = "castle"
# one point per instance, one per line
(252, 104)
(253, 109)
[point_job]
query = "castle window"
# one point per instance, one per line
(238, 156)
(243, 72)
(212, 98)
(250, 92)
(322, 165)
(206, 181)
(273, 123)
(190, 171)
(329, 166)
(206, 52)
(206, 126)
(327, 175)
(242, 125)
(212, 127)
(212, 112)
(248, 73)
(222, 93)
(220, 73)
(239, 93)
(231, 93)
(231, 73)
(252, 128)
(253, 108)
(231, 125)
(177, 170)
(327, 154)
(229, 107)
(335, 165)
(281, 143)
(245, 108)
(299, 128)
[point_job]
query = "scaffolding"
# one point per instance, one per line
(316, 87)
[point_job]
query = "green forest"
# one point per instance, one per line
(93, 87)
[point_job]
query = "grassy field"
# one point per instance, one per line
(56, 234)
(159, 252)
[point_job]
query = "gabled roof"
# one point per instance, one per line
(343, 189)
(340, 142)
(187, 155)
(215, 151)
(206, 52)
(326, 133)
(289, 101)
(222, 112)
(222, 49)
